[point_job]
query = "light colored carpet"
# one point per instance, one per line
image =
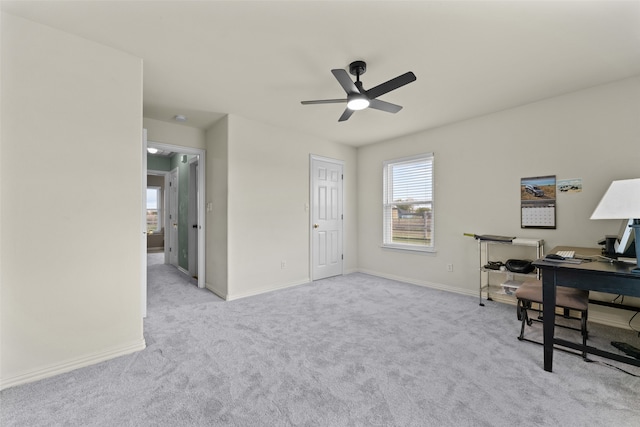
(155, 257)
(355, 350)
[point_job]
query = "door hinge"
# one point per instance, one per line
(342, 176)
(341, 216)
(342, 256)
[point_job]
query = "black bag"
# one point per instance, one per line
(494, 265)
(522, 266)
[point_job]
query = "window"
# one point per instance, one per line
(154, 209)
(408, 203)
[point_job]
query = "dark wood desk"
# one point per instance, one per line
(614, 278)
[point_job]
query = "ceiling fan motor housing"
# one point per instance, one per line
(358, 68)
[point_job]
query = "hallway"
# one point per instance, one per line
(168, 288)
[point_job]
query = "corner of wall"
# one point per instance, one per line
(217, 164)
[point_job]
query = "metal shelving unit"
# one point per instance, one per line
(495, 282)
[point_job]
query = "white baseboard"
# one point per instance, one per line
(424, 283)
(617, 318)
(217, 292)
(70, 365)
(596, 316)
(265, 290)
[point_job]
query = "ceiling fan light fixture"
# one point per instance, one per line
(357, 97)
(357, 103)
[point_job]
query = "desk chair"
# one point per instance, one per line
(566, 298)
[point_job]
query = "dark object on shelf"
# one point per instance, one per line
(494, 265)
(627, 348)
(522, 266)
(490, 237)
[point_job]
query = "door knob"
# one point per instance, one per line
(315, 226)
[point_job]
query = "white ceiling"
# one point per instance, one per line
(259, 59)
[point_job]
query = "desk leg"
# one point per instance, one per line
(548, 316)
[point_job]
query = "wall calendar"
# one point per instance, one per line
(538, 202)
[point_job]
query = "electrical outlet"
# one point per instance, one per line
(450, 268)
(283, 264)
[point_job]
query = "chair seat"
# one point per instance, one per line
(571, 298)
(566, 298)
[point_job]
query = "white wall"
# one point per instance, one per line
(268, 188)
(217, 143)
(71, 202)
(174, 134)
(591, 134)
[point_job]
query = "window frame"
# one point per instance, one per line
(159, 203)
(387, 204)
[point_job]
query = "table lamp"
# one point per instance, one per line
(622, 201)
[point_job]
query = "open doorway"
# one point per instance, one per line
(182, 210)
(156, 210)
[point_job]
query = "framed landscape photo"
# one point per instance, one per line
(538, 202)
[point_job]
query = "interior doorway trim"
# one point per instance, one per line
(165, 204)
(192, 215)
(200, 196)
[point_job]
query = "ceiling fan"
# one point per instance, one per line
(357, 97)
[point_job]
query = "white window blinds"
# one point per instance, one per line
(408, 203)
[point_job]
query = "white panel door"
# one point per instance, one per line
(326, 218)
(173, 218)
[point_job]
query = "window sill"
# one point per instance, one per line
(407, 248)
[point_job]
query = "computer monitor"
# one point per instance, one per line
(624, 242)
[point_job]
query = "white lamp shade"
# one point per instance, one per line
(621, 201)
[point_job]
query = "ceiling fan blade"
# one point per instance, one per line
(345, 81)
(345, 116)
(390, 85)
(324, 101)
(384, 106)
